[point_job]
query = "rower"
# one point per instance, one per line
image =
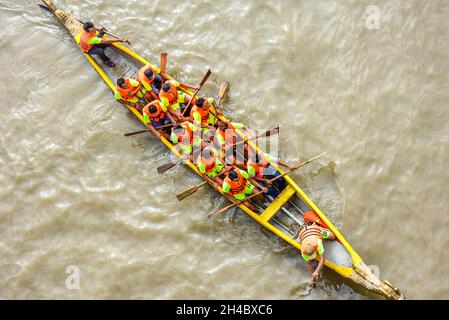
(172, 98)
(92, 42)
(311, 239)
(128, 92)
(155, 115)
(225, 139)
(151, 80)
(260, 169)
(209, 164)
(201, 112)
(186, 137)
(238, 184)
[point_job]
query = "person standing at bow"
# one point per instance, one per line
(92, 42)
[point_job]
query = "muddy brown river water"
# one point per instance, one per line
(367, 84)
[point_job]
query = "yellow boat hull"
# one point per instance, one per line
(342, 258)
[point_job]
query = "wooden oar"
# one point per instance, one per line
(182, 195)
(296, 167)
(224, 86)
(167, 166)
(215, 214)
(159, 127)
(163, 62)
(268, 133)
(113, 35)
(105, 30)
(206, 76)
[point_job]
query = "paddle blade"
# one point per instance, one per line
(206, 76)
(165, 167)
(224, 86)
(181, 196)
(273, 131)
(217, 213)
(163, 62)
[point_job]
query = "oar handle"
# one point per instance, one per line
(135, 132)
(190, 102)
(114, 35)
(235, 203)
(265, 134)
(296, 167)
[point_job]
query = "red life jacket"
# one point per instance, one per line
(126, 93)
(311, 216)
(236, 187)
(84, 40)
(156, 116)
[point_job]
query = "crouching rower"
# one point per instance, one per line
(172, 98)
(187, 140)
(225, 138)
(311, 239)
(150, 78)
(202, 113)
(260, 169)
(155, 115)
(209, 164)
(238, 184)
(128, 91)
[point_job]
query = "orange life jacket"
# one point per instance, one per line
(209, 163)
(204, 114)
(156, 116)
(187, 137)
(126, 93)
(171, 95)
(230, 138)
(256, 168)
(236, 187)
(142, 77)
(84, 40)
